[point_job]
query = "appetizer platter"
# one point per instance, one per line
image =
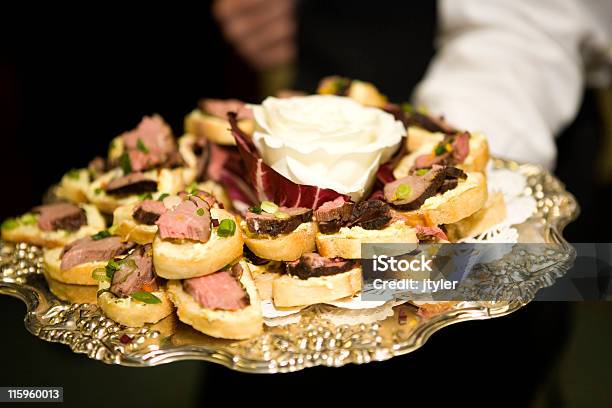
(240, 241)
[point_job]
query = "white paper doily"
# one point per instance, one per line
(519, 207)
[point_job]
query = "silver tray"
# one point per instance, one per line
(67, 314)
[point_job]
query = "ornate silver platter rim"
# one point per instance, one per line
(311, 342)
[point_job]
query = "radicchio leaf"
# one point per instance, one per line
(272, 186)
(385, 175)
(226, 167)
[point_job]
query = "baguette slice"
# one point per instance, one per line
(420, 141)
(169, 181)
(73, 186)
(186, 146)
(290, 291)
(72, 293)
(346, 243)
(31, 234)
(469, 196)
(125, 226)
(283, 247)
(492, 213)
(215, 129)
(264, 276)
(189, 259)
(132, 312)
(77, 275)
(226, 324)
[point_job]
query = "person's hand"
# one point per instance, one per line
(262, 31)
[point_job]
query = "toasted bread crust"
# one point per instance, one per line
(346, 243)
(74, 188)
(289, 291)
(169, 181)
(51, 239)
(420, 141)
(284, 247)
(189, 259)
(131, 312)
(77, 275)
(215, 129)
(240, 324)
(72, 293)
(492, 213)
(461, 202)
(128, 229)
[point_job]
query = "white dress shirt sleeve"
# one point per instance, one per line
(510, 68)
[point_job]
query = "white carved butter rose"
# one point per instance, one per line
(326, 141)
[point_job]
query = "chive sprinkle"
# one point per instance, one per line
(146, 297)
(226, 228)
(125, 163)
(9, 224)
(141, 146)
(101, 235)
(403, 192)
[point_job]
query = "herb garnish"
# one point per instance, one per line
(125, 163)
(226, 228)
(403, 192)
(111, 268)
(9, 224)
(74, 174)
(146, 297)
(141, 146)
(101, 235)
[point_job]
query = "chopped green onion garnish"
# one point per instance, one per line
(111, 267)
(28, 219)
(341, 84)
(97, 190)
(256, 210)
(422, 109)
(281, 215)
(403, 192)
(74, 174)
(130, 263)
(162, 196)
(440, 149)
(422, 172)
(226, 228)
(125, 163)
(141, 146)
(200, 211)
(407, 107)
(9, 224)
(145, 196)
(192, 188)
(99, 274)
(269, 207)
(101, 235)
(146, 297)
